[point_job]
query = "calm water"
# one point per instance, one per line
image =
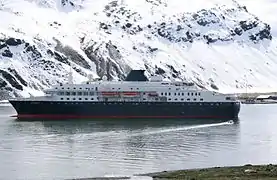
(93, 148)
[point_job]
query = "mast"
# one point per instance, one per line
(70, 76)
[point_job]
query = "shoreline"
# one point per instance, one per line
(245, 172)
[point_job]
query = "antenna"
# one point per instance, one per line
(70, 76)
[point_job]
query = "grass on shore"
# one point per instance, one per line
(247, 172)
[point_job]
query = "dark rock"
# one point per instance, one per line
(71, 54)
(179, 28)
(245, 25)
(214, 87)
(238, 31)
(265, 33)
(61, 58)
(152, 49)
(159, 71)
(3, 45)
(209, 39)
(14, 72)
(128, 25)
(2, 83)
(13, 42)
(50, 52)
(11, 80)
(7, 53)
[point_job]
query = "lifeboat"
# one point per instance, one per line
(130, 94)
(109, 93)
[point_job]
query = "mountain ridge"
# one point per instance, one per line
(113, 37)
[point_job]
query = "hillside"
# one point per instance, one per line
(219, 45)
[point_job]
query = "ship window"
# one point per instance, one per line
(201, 99)
(73, 93)
(198, 94)
(131, 88)
(62, 88)
(86, 98)
(80, 88)
(74, 99)
(169, 94)
(182, 94)
(79, 93)
(61, 98)
(91, 93)
(178, 94)
(74, 88)
(68, 93)
(68, 88)
(176, 99)
(162, 94)
(67, 98)
(144, 99)
(165, 94)
(91, 99)
(182, 99)
(194, 99)
(156, 99)
(169, 99)
(96, 88)
(228, 98)
(80, 98)
(85, 93)
(188, 94)
(175, 94)
(188, 99)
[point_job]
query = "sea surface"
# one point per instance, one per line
(112, 147)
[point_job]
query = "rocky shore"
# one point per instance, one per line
(246, 172)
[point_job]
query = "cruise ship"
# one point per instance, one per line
(135, 97)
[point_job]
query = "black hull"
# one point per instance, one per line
(205, 110)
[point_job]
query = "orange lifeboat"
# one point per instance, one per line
(109, 93)
(130, 94)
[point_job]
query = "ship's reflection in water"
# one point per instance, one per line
(92, 148)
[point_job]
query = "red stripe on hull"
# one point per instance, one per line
(53, 116)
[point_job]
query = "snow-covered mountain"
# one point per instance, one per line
(220, 45)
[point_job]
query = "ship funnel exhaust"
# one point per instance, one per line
(136, 75)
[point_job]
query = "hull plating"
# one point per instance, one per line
(46, 109)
